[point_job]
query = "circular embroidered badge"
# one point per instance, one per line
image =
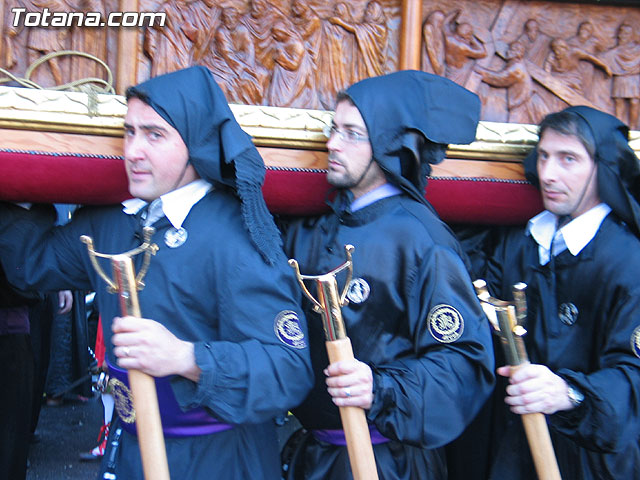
(288, 331)
(445, 323)
(358, 290)
(635, 341)
(175, 237)
(123, 400)
(568, 313)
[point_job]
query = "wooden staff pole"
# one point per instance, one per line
(143, 386)
(354, 420)
(329, 304)
(506, 319)
(535, 424)
(544, 457)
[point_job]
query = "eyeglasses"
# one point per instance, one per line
(348, 136)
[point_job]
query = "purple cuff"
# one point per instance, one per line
(175, 421)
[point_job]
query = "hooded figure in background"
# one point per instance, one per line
(418, 333)
(224, 334)
(580, 259)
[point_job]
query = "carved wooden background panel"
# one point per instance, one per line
(293, 53)
(524, 58)
(20, 45)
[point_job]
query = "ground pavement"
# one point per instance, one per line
(63, 432)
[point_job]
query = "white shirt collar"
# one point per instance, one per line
(378, 193)
(573, 236)
(176, 204)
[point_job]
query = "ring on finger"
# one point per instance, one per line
(347, 392)
(125, 351)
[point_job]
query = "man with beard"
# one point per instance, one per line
(422, 345)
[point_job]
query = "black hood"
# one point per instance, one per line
(411, 117)
(618, 165)
(220, 151)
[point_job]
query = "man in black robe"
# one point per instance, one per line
(227, 343)
(422, 345)
(580, 259)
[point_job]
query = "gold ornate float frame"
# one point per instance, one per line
(288, 128)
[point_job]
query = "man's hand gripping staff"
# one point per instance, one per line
(329, 304)
(143, 387)
(506, 319)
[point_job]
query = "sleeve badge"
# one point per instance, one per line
(445, 323)
(635, 341)
(288, 330)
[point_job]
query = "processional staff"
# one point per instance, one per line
(507, 320)
(143, 387)
(328, 304)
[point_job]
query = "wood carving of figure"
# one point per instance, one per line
(586, 40)
(309, 25)
(232, 60)
(535, 42)
(460, 46)
(8, 55)
(170, 47)
(291, 80)
(524, 104)
(262, 17)
(205, 16)
(221, 59)
(624, 61)
(44, 40)
(433, 37)
(564, 62)
(337, 53)
(91, 40)
(371, 40)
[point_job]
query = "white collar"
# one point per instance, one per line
(378, 193)
(176, 204)
(573, 236)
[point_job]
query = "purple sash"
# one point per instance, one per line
(175, 422)
(336, 437)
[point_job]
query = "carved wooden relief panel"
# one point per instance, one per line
(287, 53)
(526, 59)
(523, 58)
(22, 44)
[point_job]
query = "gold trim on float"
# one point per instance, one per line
(66, 112)
(102, 114)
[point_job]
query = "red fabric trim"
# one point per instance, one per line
(296, 192)
(54, 178)
(483, 202)
(50, 178)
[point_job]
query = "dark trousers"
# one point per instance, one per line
(17, 383)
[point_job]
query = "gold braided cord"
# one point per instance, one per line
(75, 85)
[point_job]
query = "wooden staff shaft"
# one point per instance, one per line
(544, 458)
(143, 386)
(537, 432)
(354, 422)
